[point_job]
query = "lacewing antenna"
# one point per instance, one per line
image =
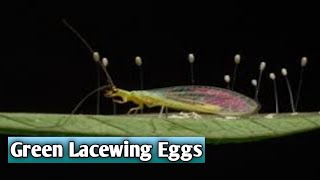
(96, 58)
(101, 64)
(237, 59)
(96, 55)
(62, 122)
(105, 63)
(87, 96)
(285, 74)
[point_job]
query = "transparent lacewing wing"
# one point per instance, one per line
(202, 99)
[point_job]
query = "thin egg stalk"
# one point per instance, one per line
(96, 58)
(284, 72)
(191, 60)
(273, 78)
(227, 80)
(138, 62)
(303, 64)
(254, 84)
(261, 69)
(237, 59)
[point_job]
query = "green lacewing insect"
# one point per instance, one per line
(193, 98)
(201, 99)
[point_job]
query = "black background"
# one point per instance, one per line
(45, 68)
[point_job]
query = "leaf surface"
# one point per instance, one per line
(217, 130)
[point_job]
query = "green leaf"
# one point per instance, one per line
(216, 129)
